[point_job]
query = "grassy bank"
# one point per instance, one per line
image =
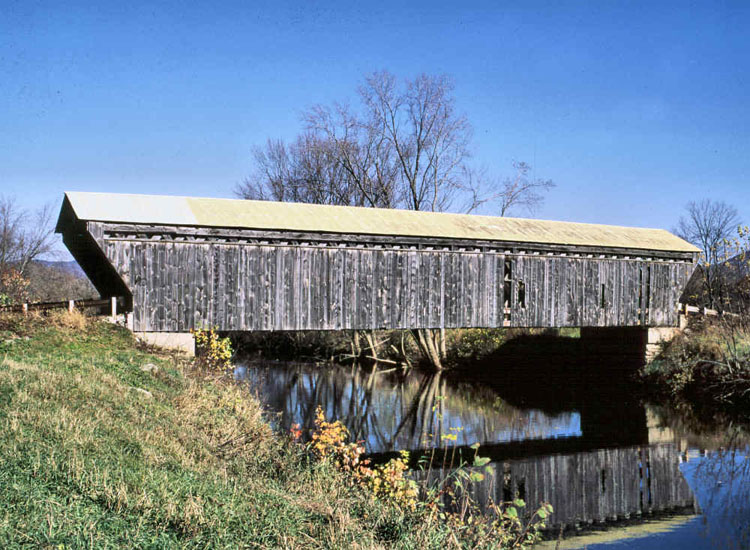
(706, 367)
(105, 445)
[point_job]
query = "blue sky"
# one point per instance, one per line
(632, 108)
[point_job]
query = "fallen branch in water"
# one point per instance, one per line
(376, 359)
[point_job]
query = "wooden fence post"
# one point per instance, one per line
(114, 308)
(25, 308)
(71, 306)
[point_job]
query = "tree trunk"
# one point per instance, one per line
(370, 337)
(356, 348)
(429, 343)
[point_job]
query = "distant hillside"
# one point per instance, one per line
(71, 267)
(57, 281)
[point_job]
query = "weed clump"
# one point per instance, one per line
(212, 351)
(446, 505)
(74, 319)
(707, 365)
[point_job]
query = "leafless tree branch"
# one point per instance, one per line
(24, 235)
(709, 225)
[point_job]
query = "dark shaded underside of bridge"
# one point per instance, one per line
(182, 263)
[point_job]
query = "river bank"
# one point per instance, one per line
(705, 370)
(106, 444)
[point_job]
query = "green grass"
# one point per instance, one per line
(88, 460)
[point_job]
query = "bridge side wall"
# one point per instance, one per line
(179, 285)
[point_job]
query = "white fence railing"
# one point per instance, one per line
(70, 305)
(688, 310)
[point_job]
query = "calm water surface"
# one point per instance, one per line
(619, 474)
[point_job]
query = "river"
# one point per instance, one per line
(568, 430)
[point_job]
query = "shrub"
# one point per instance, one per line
(14, 287)
(474, 343)
(212, 351)
(389, 484)
(708, 363)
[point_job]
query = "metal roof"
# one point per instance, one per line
(285, 216)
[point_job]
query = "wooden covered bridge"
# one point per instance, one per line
(182, 263)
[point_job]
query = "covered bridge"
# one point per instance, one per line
(182, 263)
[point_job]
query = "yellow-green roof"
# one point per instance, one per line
(285, 216)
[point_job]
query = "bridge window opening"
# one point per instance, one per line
(522, 294)
(507, 278)
(603, 297)
(507, 289)
(640, 288)
(507, 492)
(604, 481)
(522, 489)
(648, 288)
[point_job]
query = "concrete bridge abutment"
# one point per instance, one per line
(176, 341)
(637, 343)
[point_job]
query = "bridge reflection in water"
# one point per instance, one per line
(589, 448)
(602, 485)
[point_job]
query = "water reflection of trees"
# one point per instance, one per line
(392, 410)
(721, 480)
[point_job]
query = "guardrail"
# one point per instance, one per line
(687, 310)
(70, 305)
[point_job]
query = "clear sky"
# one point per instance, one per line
(632, 108)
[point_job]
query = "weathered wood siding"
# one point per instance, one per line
(178, 285)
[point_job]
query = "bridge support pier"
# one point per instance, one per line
(656, 337)
(179, 341)
(641, 344)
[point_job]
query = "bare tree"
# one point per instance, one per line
(406, 146)
(361, 150)
(427, 138)
(522, 191)
(308, 170)
(24, 236)
(710, 225)
(427, 142)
